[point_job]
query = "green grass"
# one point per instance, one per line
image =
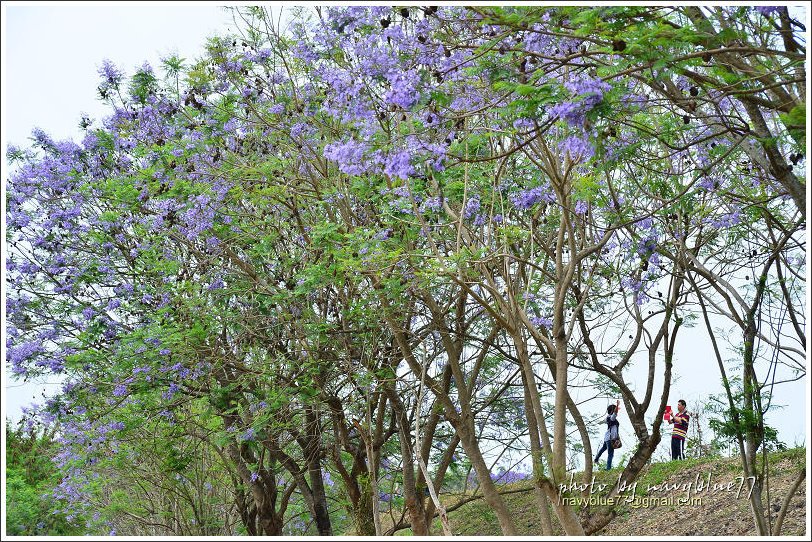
(476, 518)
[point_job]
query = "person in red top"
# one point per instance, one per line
(680, 431)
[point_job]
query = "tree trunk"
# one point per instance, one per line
(465, 430)
(362, 512)
(413, 500)
(312, 452)
(536, 452)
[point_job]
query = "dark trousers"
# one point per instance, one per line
(677, 449)
(607, 446)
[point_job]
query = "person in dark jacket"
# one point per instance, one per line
(680, 431)
(611, 434)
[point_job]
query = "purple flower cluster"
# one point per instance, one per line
(399, 166)
(540, 321)
(767, 10)
(526, 199)
(349, 155)
(726, 220)
(510, 476)
(111, 75)
(578, 148)
(199, 217)
(586, 94)
(403, 92)
(472, 207)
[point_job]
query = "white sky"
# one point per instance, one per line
(51, 54)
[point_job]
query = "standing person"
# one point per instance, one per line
(680, 431)
(611, 434)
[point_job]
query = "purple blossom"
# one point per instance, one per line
(199, 216)
(217, 284)
(587, 93)
(767, 10)
(592, 88)
(577, 147)
(471, 206)
(570, 112)
(110, 74)
(726, 220)
(540, 321)
(404, 88)
(433, 204)
(19, 354)
(349, 156)
(171, 391)
(509, 477)
(328, 479)
(581, 207)
(399, 165)
(528, 198)
(383, 235)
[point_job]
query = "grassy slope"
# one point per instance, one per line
(720, 513)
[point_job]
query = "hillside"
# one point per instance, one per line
(718, 513)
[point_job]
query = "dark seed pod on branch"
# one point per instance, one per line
(618, 45)
(694, 91)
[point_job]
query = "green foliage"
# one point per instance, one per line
(795, 122)
(30, 478)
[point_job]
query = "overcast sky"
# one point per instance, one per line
(51, 55)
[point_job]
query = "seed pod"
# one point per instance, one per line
(618, 45)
